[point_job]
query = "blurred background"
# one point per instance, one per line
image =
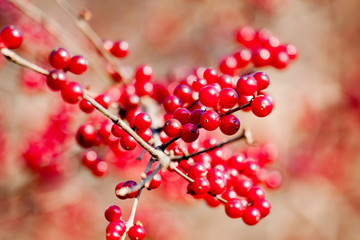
(315, 122)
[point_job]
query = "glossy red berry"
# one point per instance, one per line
(217, 185)
(280, 59)
(261, 106)
(228, 65)
(120, 49)
(237, 161)
(209, 96)
(155, 182)
(189, 133)
(261, 57)
(56, 80)
(72, 92)
(234, 208)
(11, 37)
(143, 73)
(182, 114)
(243, 57)
(228, 98)
(210, 75)
(255, 193)
(117, 226)
(246, 36)
(183, 92)
(59, 58)
(198, 84)
(229, 124)
(195, 116)
(145, 134)
(86, 106)
(128, 184)
(246, 85)
(100, 168)
(172, 127)
(112, 234)
(263, 206)
(200, 185)
(225, 81)
(243, 186)
(89, 159)
(127, 142)
(251, 169)
(196, 170)
(262, 80)
(251, 216)
(86, 135)
(142, 121)
(210, 120)
(78, 64)
(136, 232)
(104, 100)
(113, 213)
(171, 103)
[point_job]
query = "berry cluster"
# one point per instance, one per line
(203, 100)
(117, 227)
(259, 48)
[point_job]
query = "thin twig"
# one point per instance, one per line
(86, 29)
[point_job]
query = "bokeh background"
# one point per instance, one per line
(315, 124)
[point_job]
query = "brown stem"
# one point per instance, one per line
(93, 37)
(248, 104)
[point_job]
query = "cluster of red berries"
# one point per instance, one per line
(260, 48)
(117, 227)
(119, 49)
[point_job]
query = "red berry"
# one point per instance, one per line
(200, 185)
(142, 121)
(246, 85)
(261, 57)
(251, 169)
(198, 84)
(217, 185)
(234, 208)
(243, 186)
(291, 51)
(113, 213)
(210, 75)
(145, 134)
(251, 216)
(255, 193)
(127, 142)
(189, 133)
(209, 96)
(243, 57)
(100, 168)
(143, 73)
(196, 170)
(117, 131)
(72, 92)
(117, 226)
(78, 64)
(210, 120)
(172, 127)
(237, 161)
(225, 81)
(171, 103)
(261, 106)
(86, 135)
(195, 116)
(182, 114)
(229, 124)
(56, 80)
(280, 59)
(120, 49)
(263, 206)
(228, 65)
(86, 106)
(104, 100)
(246, 36)
(183, 92)
(136, 232)
(112, 234)
(155, 181)
(262, 80)
(59, 58)
(228, 98)
(128, 184)
(11, 37)
(89, 159)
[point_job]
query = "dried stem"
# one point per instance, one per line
(83, 25)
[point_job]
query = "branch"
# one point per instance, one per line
(83, 25)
